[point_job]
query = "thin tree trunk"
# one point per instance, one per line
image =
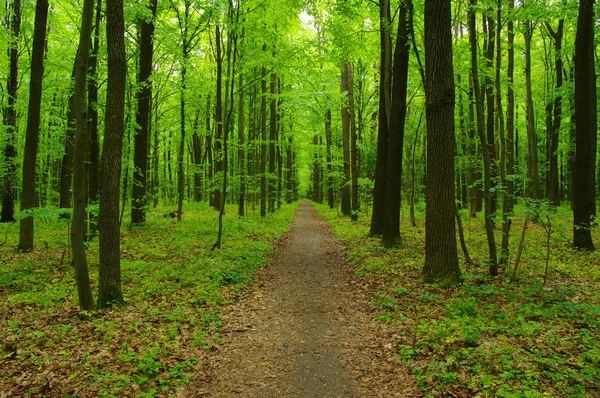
(263, 152)
(242, 148)
(489, 223)
(345, 194)
(143, 116)
(33, 124)
(86, 301)
(329, 158)
(272, 141)
(535, 190)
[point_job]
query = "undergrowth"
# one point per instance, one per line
(488, 337)
(173, 287)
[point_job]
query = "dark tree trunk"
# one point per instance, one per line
(489, 99)
(353, 148)
(209, 153)
(553, 133)
(155, 174)
(328, 145)
(377, 218)
(290, 170)
(441, 257)
(584, 165)
(86, 301)
(272, 141)
(242, 149)
(345, 194)
(142, 119)
(10, 117)
(109, 271)
(395, 146)
(317, 188)
(508, 200)
(197, 159)
(487, 180)
(535, 190)
(263, 146)
(94, 145)
(33, 124)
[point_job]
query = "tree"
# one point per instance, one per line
(584, 186)
(378, 215)
(109, 271)
(33, 124)
(346, 204)
(86, 301)
(441, 257)
(395, 145)
(144, 95)
(10, 115)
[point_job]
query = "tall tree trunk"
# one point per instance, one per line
(66, 169)
(156, 156)
(378, 216)
(33, 124)
(109, 270)
(209, 154)
(489, 99)
(94, 145)
(242, 148)
(535, 190)
(584, 165)
(290, 170)
(487, 180)
(272, 141)
(219, 165)
(508, 200)
(395, 146)
(328, 146)
(345, 194)
(353, 148)
(144, 95)
(10, 116)
(553, 134)
(197, 159)
(441, 257)
(263, 147)
(86, 301)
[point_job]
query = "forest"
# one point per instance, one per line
(162, 161)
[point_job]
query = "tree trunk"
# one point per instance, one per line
(378, 216)
(345, 194)
(109, 271)
(242, 148)
(290, 170)
(86, 301)
(395, 146)
(489, 99)
(218, 154)
(328, 145)
(553, 133)
(584, 186)
(487, 180)
(33, 124)
(144, 95)
(441, 257)
(272, 141)
(263, 147)
(10, 117)
(508, 200)
(535, 190)
(94, 146)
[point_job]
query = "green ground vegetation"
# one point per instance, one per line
(174, 287)
(488, 337)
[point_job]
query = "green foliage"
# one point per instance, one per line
(488, 337)
(174, 287)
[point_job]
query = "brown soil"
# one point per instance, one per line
(306, 330)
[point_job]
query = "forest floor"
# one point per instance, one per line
(306, 330)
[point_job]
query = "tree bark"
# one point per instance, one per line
(378, 215)
(487, 180)
(329, 158)
(86, 301)
(142, 134)
(584, 165)
(109, 272)
(10, 117)
(535, 190)
(33, 124)
(345, 194)
(263, 146)
(441, 257)
(272, 141)
(553, 133)
(395, 146)
(242, 148)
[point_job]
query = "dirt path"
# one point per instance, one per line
(306, 330)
